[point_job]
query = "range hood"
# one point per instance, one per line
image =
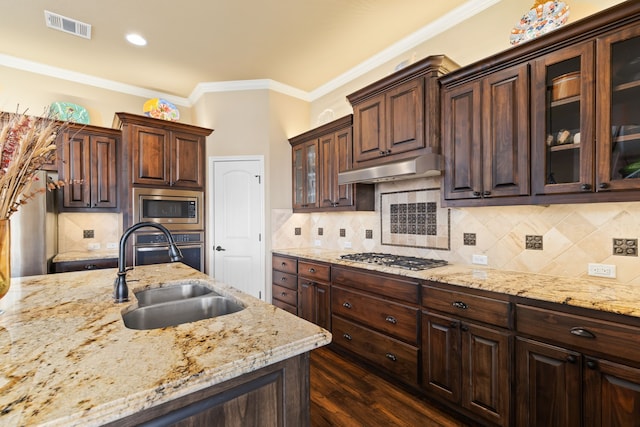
(416, 167)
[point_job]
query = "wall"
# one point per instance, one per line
(573, 235)
(480, 36)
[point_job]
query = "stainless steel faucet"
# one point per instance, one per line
(120, 289)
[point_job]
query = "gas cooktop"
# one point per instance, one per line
(390, 260)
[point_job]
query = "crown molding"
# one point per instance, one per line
(455, 17)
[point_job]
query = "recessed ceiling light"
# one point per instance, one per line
(136, 39)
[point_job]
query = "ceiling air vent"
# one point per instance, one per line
(68, 25)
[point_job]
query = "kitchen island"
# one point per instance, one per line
(69, 360)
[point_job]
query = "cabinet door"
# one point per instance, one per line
(405, 117)
(76, 170)
(486, 375)
(441, 355)
(343, 161)
(611, 394)
(328, 175)
(618, 111)
(187, 160)
(462, 143)
(547, 385)
(369, 131)
(104, 181)
(562, 96)
(305, 163)
(306, 300)
(151, 151)
(323, 305)
(505, 133)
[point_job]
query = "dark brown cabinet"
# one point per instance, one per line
(486, 136)
(284, 288)
(87, 158)
(317, 157)
(161, 153)
(82, 265)
(583, 115)
(375, 317)
(464, 361)
(314, 293)
(398, 116)
(566, 374)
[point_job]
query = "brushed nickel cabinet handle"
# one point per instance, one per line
(312, 270)
(581, 332)
(460, 305)
(346, 304)
(347, 337)
(391, 319)
(391, 357)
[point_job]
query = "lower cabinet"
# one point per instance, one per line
(284, 286)
(82, 265)
(465, 362)
(314, 293)
(563, 377)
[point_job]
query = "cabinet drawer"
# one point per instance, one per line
(312, 270)
(581, 332)
(93, 264)
(286, 264)
(287, 307)
(392, 318)
(285, 294)
(378, 283)
(285, 279)
(487, 310)
(397, 357)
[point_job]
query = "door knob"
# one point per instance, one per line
(220, 248)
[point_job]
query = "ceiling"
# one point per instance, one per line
(301, 43)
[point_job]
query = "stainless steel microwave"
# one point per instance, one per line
(175, 209)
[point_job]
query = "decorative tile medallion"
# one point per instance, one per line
(414, 219)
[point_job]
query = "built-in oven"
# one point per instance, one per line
(175, 209)
(152, 248)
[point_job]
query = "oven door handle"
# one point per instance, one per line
(162, 248)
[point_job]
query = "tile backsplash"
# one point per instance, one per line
(573, 235)
(106, 227)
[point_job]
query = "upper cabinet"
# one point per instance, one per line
(576, 91)
(398, 117)
(87, 158)
(317, 157)
(163, 153)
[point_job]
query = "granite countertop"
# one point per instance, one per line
(68, 359)
(597, 294)
(85, 255)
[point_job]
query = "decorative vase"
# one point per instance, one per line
(5, 256)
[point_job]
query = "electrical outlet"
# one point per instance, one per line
(93, 246)
(479, 259)
(347, 245)
(112, 245)
(602, 270)
(317, 243)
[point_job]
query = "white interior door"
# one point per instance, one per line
(238, 231)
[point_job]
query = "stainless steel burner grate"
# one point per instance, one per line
(390, 260)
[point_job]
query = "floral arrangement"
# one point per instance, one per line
(26, 144)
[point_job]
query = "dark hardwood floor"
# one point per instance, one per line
(344, 394)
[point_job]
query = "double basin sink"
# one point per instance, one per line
(176, 304)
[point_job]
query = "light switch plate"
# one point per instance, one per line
(93, 246)
(602, 270)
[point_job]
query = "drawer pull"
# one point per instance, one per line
(571, 358)
(460, 304)
(592, 364)
(283, 263)
(391, 357)
(346, 304)
(312, 270)
(347, 337)
(283, 294)
(580, 332)
(391, 319)
(284, 279)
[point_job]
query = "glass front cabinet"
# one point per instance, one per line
(586, 116)
(305, 165)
